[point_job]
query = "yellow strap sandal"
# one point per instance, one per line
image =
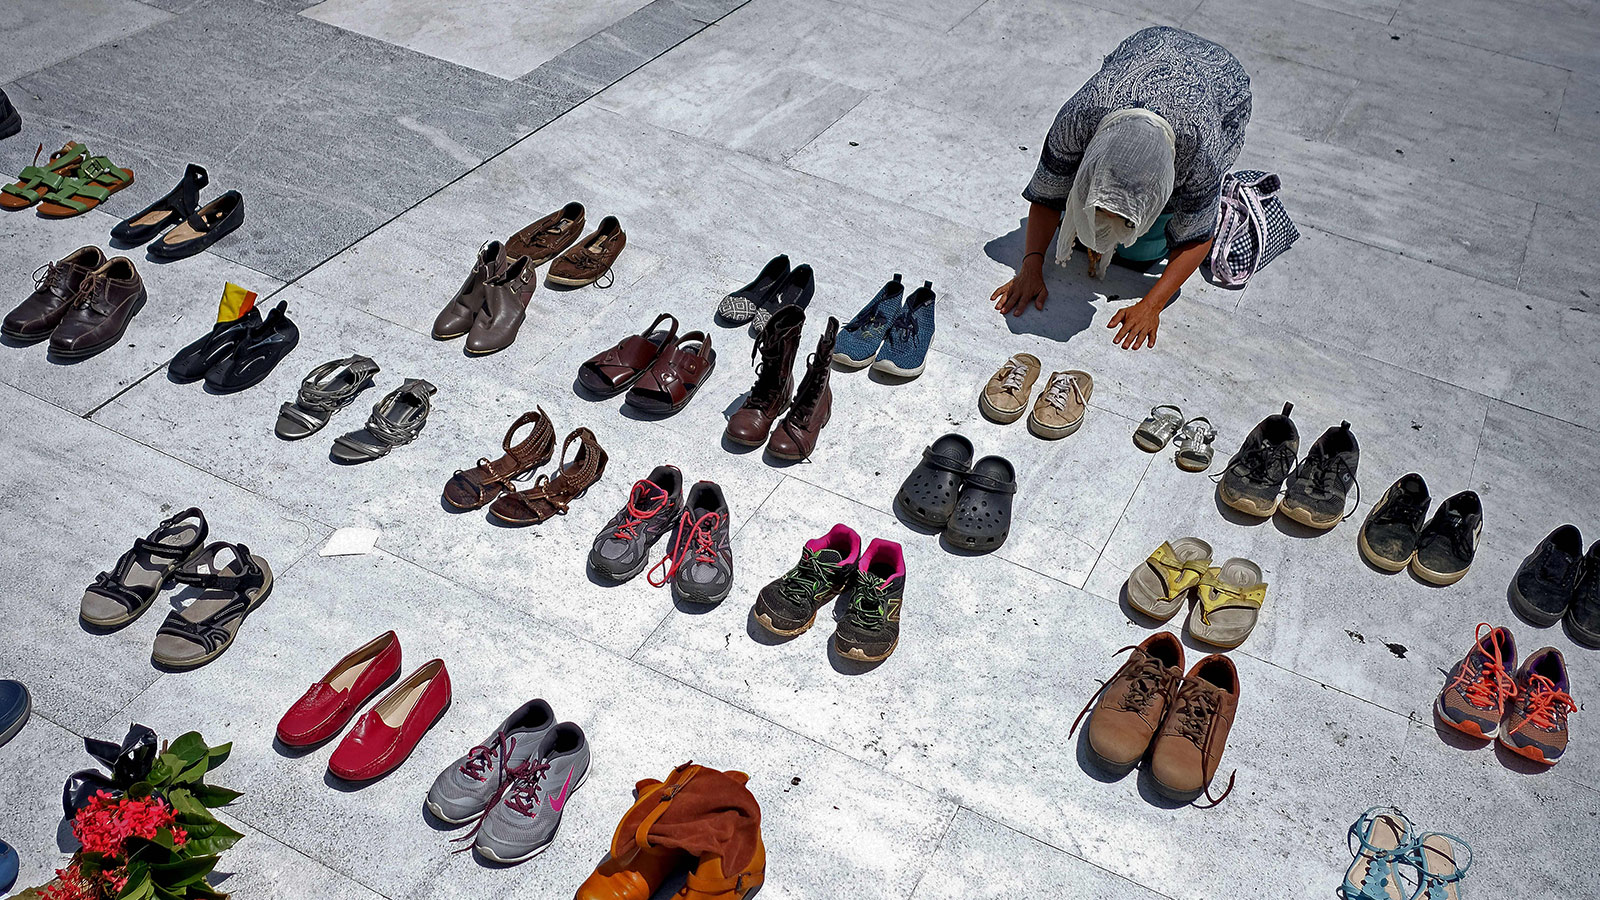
(1230, 603)
(1159, 586)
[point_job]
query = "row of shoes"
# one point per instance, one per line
(82, 303)
(1559, 581)
(1225, 601)
(1149, 709)
(660, 369)
(892, 333)
(969, 502)
(1313, 491)
(699, 565)
(776, 287)
(396, 419)
(193, 227)
(1394, 860)
(786, 418)
(1397, 532)
(1193, 439)
(492, 302)
(1489, 697)
(241, 349)
(230, 582)
(873, 581)
(493, 483)
(72, 182)
(386, 734)
(1058, 411)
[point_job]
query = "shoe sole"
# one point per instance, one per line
(1527, 610)
(852, 363)
(709, 601)
(1247, 506)
(186, 665)
(1188, 465)
(1306, 517)
(744, 443)
(1529, 752)
(859, 655)
(1147, 445)
(1118, 769)
(903, 504)
(489, 854)
(1442, 579)
(887, 367)
(23, 337)
(1470, 729)
(995, 415)
(448, 337)
(27, 710)
(1371, 556)
(86, 352)
(626, 575)
(573, 282)
(1581, 636)
(1172, 793)
(765, 621)
(1052, 432)
(433, 808)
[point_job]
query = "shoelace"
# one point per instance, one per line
(88, 291)
(1195, 705)
(523, 794)
(644, 491)
(868, 319)
(696, 534)
(869, 609)
(483, 756)
(1150, 680)
(1547, 705)
(1012, 375)
(1405, 508)
(1333, 472)
(1487, 685)
(49, 276)
(1266, 463)
(809, 393)
(589, 257)
(1454, 526)
(806, 580)
(1060, 387)
(768, 383)
(904, 329)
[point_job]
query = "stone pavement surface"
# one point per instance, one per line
(1438, 158)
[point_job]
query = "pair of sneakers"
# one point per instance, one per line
(1559, 580)
(1059, 409)
(1487, 696)
(515, 785)
(892, 333)
(873, 581)
(1397, 532)
(1313, 491)
(700, 563)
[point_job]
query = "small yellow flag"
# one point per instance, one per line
(236, 301)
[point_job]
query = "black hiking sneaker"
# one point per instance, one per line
(1316, 491)
(1545, 583)
(1449, 540)
(1388, 537)
(700, 563)
(788, 606)
(1583, 616)
(870, 628)
(1254, 475)
(622, 548)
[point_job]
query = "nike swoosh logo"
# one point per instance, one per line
(560, 800)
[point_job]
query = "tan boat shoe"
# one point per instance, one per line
(1059, 410)
(1005, 396)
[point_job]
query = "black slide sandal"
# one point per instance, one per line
(928, 496)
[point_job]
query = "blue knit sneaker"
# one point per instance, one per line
(905, 347)
(860, 338)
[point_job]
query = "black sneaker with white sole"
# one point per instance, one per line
(1388, 537)
(1316, 492)
(1449, 540)
(1545, 583)
(1255, 475)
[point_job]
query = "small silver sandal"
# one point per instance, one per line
(1193, 445)
(1158, 428)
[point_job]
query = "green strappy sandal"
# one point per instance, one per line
(97, 179)
(35, 181)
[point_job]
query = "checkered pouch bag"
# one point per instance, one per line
(1252, 227)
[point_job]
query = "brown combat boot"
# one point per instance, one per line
(796, 436)
(1189, 748)
(777, 346)
(1133, 702)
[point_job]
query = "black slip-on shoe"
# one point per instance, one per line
(1545, 583)
(1388, 537)
(209, 224)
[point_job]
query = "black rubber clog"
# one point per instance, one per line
(982, 517)
(928, 496)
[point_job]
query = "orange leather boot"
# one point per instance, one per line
(634, 870)
(709, 882)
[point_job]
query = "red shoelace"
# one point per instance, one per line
(698, 535)
(644, 491)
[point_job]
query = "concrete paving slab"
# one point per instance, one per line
(985, 859)
(1556, 265)
(1563, 34)
(36, 38)
(1517, 472)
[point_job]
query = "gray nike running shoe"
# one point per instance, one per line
(471, 784)
(527, 817)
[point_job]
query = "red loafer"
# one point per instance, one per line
(329, 704)
(387, 733)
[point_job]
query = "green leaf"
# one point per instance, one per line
(219, 754)
(213, 795)
(224, 838)
(206, 892)
(184, 871)
(138, 886)
(165, 893)
(189, 747)
(192, 773)
(139, 790)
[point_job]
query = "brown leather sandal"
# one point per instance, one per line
(677, 374)
(549, 497)
(610, 373)
(474, 487)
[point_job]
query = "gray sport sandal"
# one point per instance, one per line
(201, 631)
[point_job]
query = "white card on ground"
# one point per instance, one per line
(351, 542)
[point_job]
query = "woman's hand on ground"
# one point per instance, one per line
(1139, 323)
(1016, 294)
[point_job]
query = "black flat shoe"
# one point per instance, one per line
(209, 224)
(194, 361)
(178, 205)
(796, 290)
(257, 353)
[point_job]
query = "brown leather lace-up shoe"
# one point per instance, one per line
(590, 259)
(776, 346)
(55, 284)
(505, 305)
(457, 316)
(796, 436)
(1133, 702)
(550, 496)
(1189, 748)
(544, 240)
(472, 488)
(108, 300)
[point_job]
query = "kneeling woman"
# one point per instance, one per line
(1134, 164)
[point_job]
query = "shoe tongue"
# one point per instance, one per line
(830, 556)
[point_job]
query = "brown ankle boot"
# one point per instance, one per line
(796, 436)
(777, 346)
(709, 881)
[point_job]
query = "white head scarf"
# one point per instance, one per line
(1126, 176)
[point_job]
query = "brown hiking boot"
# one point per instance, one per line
(1133, 702)
(1189, 748)
(796, 436)
(776, 346)
(590, 259)
(543, 240)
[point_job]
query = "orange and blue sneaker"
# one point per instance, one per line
(1474, 698)
(1536, 724)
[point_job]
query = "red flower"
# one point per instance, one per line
(70, 885)
(106, 823)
